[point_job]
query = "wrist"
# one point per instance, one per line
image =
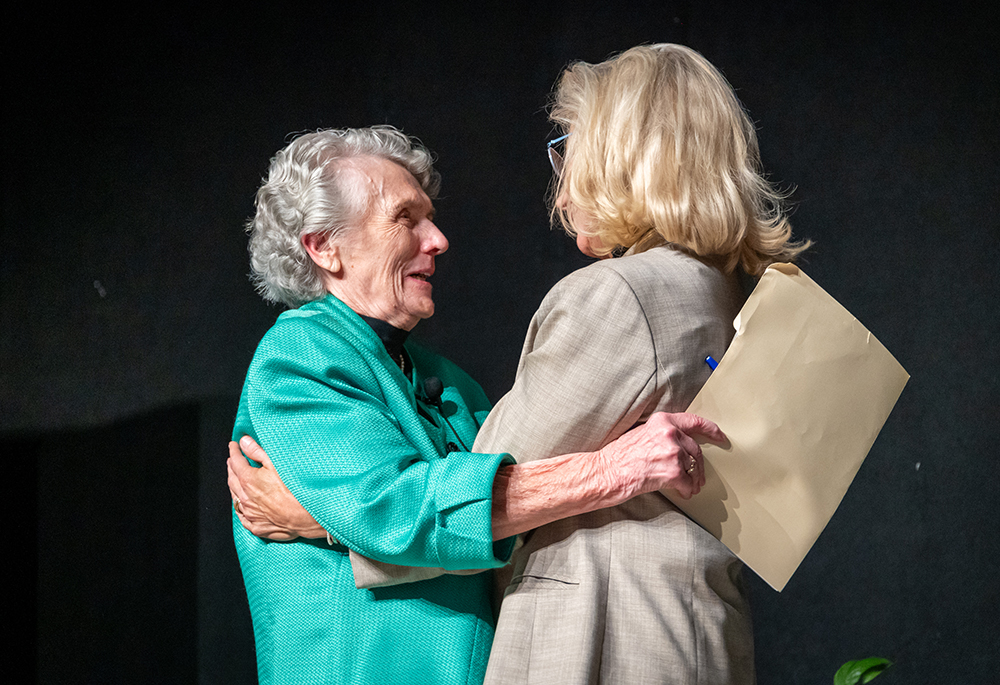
(620, 482)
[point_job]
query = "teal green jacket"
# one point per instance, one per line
(340, 423)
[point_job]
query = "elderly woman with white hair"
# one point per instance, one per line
(372, 433)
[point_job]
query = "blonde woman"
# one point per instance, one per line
(660, 164)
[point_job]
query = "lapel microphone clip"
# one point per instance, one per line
(433, 387)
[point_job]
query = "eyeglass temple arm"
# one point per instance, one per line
(557, 140)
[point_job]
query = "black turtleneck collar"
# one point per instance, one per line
(392, 337)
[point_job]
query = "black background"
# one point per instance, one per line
(133, 145)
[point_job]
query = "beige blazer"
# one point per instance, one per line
(639, 593)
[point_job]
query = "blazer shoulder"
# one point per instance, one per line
(316, 323)
(663, 264)
(662, 275)
(316, 344)
(592, 284)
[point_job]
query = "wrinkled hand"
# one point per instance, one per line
(661, 453)
(266, 507)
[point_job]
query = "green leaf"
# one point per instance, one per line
(861, 671)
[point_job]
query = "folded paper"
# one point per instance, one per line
(802, 393)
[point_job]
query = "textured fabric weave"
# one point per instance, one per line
(340, 422)
(638, 594)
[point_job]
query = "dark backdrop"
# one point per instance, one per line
(134, 142)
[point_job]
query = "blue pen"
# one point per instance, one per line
(711, 362)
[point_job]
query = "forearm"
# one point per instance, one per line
(658, 454)
(526, 496)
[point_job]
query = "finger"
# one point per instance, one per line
(694, 475)
(692, 424)
(688, 445)
(244, 521)
(239, 470)
(254, 451)
(698, 473)
(233, 480)
(697, 479)
(266, 530)
(701, 469)
(691, 458)
(237, 462)
(684, 487)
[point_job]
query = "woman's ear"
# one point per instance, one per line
(322, 251)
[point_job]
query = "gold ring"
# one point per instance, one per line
(236, 506)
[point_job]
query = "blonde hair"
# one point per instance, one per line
(660, 149)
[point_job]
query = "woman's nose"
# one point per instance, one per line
(434, 240)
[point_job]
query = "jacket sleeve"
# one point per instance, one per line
(376, 484)
(587, 370)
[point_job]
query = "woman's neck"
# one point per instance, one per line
(392, 338)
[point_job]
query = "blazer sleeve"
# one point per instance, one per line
(587, 370)
(311, 400)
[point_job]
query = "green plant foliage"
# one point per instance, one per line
(861, 671)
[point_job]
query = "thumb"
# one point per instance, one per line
(255, 451)
(692, 424)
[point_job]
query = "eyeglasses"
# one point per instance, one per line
(556, 159)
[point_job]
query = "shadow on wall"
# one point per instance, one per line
(118, 540)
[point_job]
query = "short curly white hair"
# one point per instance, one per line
(300, 196)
